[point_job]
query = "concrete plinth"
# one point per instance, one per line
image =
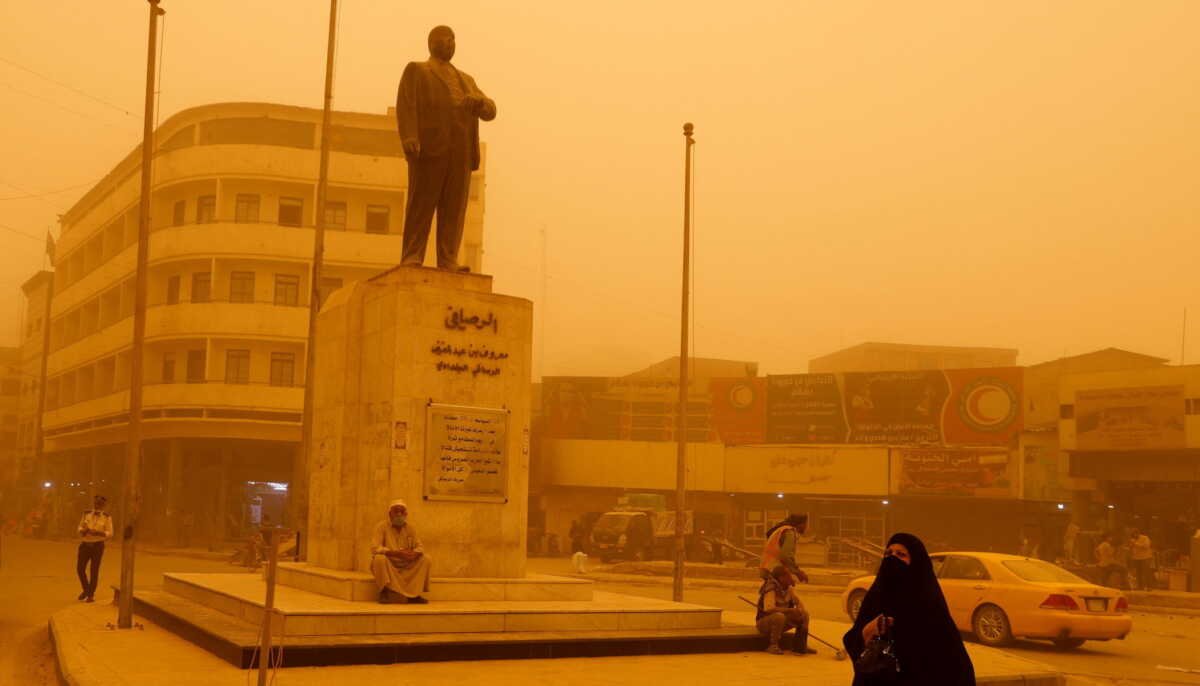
(350, 585)
(422, 393)
(301, 613)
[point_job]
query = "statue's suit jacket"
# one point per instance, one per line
(425, 111)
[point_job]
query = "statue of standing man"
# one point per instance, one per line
(438, 109)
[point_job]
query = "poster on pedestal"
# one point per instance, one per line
(466, 453)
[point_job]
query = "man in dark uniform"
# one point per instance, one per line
(438, 109)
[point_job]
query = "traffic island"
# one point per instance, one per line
(90, 654)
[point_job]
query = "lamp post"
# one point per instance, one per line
(681, 420)
(298, 489)
(131, 491)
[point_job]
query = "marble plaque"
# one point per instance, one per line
(466, 453)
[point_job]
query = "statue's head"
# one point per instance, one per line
(441, 42)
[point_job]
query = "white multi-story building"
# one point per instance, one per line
(232, 217)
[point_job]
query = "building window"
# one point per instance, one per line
(180, 213)
(237, 366)
(1066, 411)
(206, 209)
(283, 369)
(246, 209)
(335, 216)
(287, 290)
(327, 286)
(173, 290)
(168, 370)
(241, 287)
(291, 212)
(377, 218)
(201, 287)
(195, 366)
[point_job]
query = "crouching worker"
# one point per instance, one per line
(780, 609)
(398, 561)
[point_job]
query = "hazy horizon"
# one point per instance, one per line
(944, 173)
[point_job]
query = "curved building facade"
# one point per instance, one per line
(232, 229)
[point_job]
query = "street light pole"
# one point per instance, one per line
(298, 489)
(681, 428)
(131, 492)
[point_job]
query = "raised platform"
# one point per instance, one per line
(303, 613)
(234, 640)
(360, 586)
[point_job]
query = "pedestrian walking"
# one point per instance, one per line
(576, 535)
(907, 602)
(94, 528)
(1141, 559)
(1070, 540)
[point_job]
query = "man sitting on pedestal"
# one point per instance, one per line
(398, 561)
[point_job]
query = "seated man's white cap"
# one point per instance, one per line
(399, 502)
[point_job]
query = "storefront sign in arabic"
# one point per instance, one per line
(466, 453)
(985, 473)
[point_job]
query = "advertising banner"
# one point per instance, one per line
(984, 407)
(579, 407)
(1147, 418)
(805, 408)
(895, 407)
(983, 473)
(739, 410)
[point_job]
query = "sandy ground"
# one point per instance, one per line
(38, 578)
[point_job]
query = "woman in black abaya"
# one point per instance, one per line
(906, 593)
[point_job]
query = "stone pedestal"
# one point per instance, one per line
(422, 393)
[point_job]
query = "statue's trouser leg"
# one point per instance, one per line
(452, 208)
(426, 180)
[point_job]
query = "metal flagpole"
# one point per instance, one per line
(681, 428)
(131, 492)
(298, 489)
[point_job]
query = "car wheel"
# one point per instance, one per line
(991, 626)
(854, 604)
(1068, 643)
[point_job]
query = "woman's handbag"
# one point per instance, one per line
(878, 660)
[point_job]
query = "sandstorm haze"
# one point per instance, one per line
(1018, 175)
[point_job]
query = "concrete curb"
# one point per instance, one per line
(67, 665)
(1036, 679)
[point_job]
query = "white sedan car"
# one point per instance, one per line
(1001, 597)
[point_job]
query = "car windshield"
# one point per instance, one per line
(612, 524)
(1041, 572)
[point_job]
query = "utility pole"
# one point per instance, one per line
(681, 428)
(298, 489)
(131, 493)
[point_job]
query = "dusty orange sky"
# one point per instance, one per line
(1019, 174)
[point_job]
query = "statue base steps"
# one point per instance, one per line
(302, 613)
(360, 586)
(235, 640)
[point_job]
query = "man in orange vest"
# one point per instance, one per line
(780, 548)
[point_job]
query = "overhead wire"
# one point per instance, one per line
(62, 107)
(33, 195)
(68, 87)
(21, 233)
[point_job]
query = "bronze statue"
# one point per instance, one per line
(438, 109)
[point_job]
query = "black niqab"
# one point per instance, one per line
(928, 645)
